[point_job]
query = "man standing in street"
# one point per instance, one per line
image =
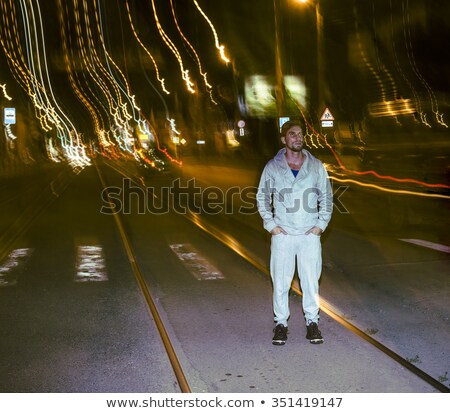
(295, 201)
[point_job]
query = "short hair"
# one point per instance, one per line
(290, 124)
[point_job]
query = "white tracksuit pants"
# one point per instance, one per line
(308, 251)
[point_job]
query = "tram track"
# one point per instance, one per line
(325, 305)
(174, 361)
(233, 244)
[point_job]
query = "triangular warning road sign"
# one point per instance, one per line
(327, 115)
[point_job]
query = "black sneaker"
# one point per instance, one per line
(280, 335)
(313, 334)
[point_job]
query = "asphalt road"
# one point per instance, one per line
(74, 319)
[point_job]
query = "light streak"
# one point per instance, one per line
(160, 80)
(116, 110)
(311, 137)
(9, 133)
(199, 64)
(370, 172)
(173, 127)
(39, 85)
(219, 47)
(422, 115)
(130, 97)
(384, 189)
(383, 68)
(152, 132)
(97, 81)
(5, 94)
(365, 58)
(410, 53)
(174, 50)
(164, 150)
(70, 128)
(386, 177)
(52, 152)
(12, 47)
(33, 57)
(117, 107)
(90, 94)
(32, 72)
(387, 106)
(79, 93)
(391, 108)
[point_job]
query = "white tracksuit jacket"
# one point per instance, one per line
(296, 204)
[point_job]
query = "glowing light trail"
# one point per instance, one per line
(79, 93)
(130, 97)
(31, 70)
(422, 115)
(174, 50)
(374, 173)
(160, 80)
(384, 189)
(5, 94)
(208, 86)
(220, 47)
(410, 53)
(386, 177)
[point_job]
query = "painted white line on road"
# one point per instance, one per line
(16, 258)
(90, 264)
(197, 265)
(427, 244)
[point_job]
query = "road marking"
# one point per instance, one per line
(15, 259)
(427, 244)
(197, 265)
(90, 264)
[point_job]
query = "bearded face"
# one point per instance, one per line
(293, 139)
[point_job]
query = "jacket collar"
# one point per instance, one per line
(280, 159)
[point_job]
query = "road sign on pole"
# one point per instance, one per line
(9, 117)
(327, 119)
(327, 115)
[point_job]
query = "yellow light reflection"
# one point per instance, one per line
(391, 108)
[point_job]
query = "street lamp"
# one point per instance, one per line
(309, 4)
(280, 90)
